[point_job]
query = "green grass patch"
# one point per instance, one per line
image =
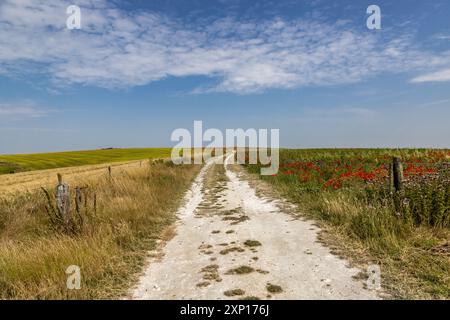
(273, 288)
(234, 292)
(250, 298)
(252, 243)
(241, 270)
(40, 161)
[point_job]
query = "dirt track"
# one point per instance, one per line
(228, 238)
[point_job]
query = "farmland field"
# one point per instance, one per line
(40, 161)
(346, 194)
(350, 193)
(121, 218)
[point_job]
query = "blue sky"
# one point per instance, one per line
(137, 70)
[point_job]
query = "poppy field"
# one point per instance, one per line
(336, 169)
(426, 174)
(350, 192)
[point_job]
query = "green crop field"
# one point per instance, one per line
(40, 161)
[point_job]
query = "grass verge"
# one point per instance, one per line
(409, 239)
(133, 210)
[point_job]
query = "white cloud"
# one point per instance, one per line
(122, 49)
(21, 110)
(436, 103)
(439, 76)
(441, 36)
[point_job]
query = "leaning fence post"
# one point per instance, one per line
(397, 171)
(63, 199)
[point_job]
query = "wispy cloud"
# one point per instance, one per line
(341, 112)
(123, 49)
(438, 76)
(24, 109)
(441, 36)
(436, 103)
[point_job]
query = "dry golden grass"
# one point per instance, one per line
(133, 210)
(33, 180)
(411, 267)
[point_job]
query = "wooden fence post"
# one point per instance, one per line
(78, 203)
(63, 199)
(78, 200)
(391, 178)
(109, 172)
(397, 171)
(95, 203)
